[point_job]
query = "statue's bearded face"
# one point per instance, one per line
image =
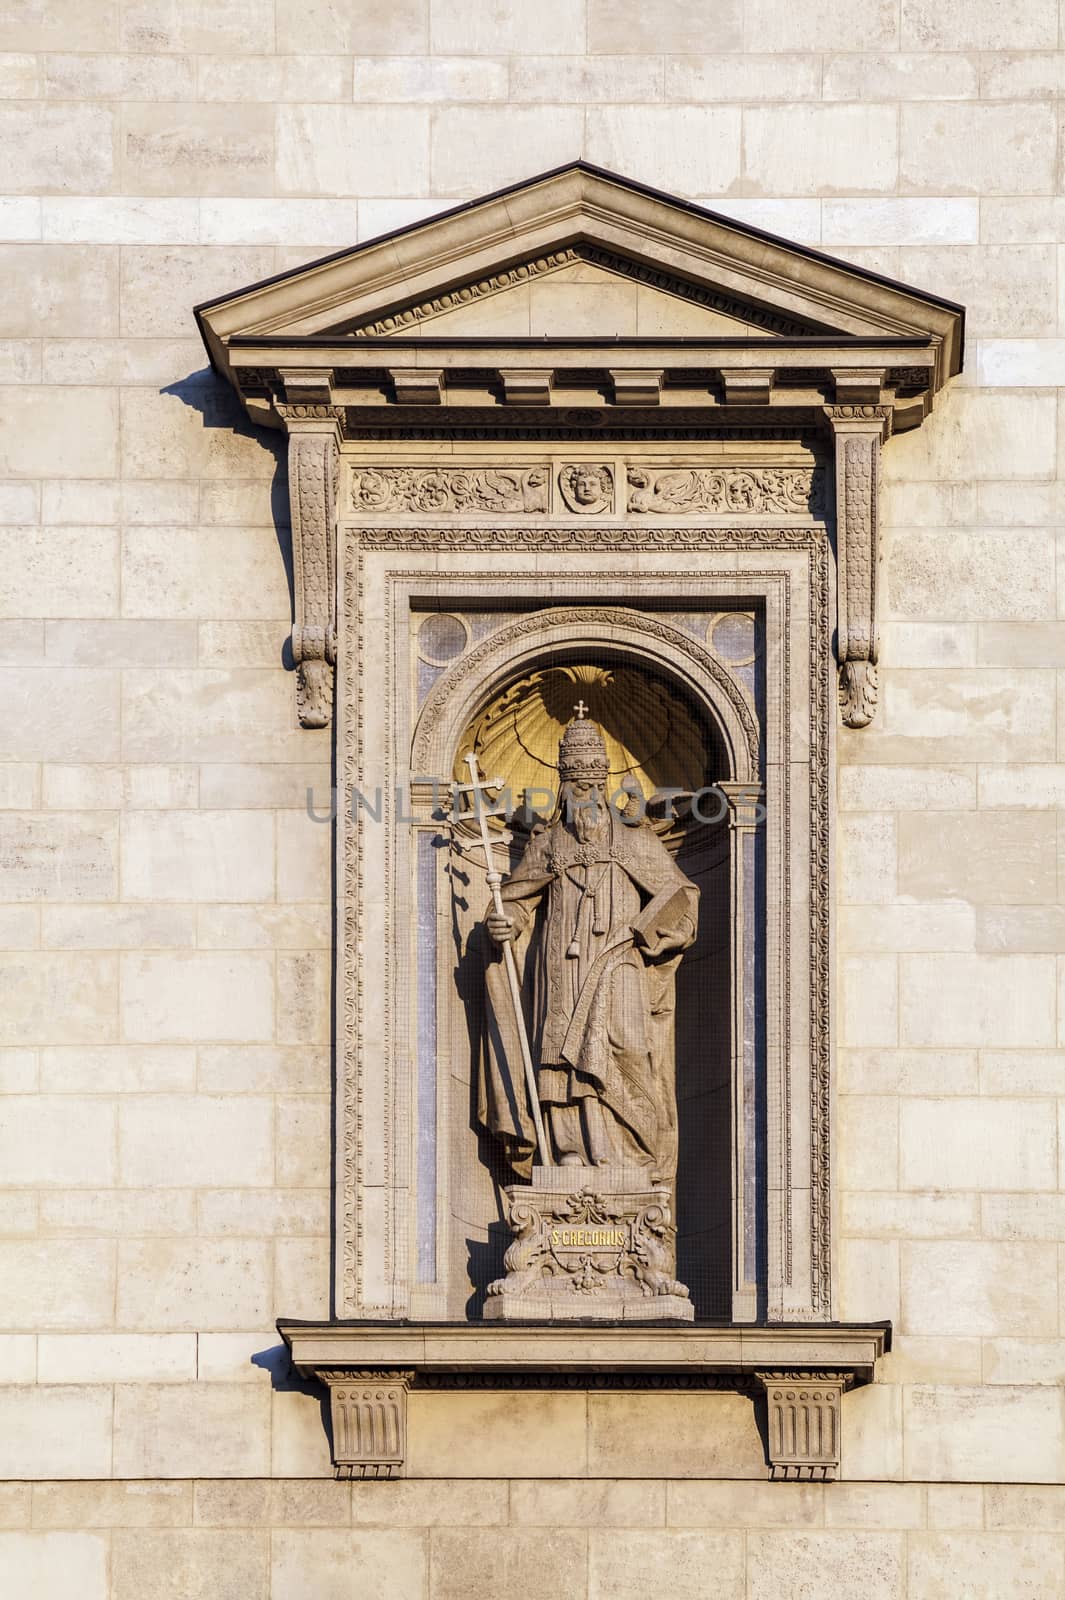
(582, 800)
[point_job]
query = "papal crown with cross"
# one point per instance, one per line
(582, 752)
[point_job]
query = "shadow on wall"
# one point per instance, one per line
(219, 408)
(284, 1379)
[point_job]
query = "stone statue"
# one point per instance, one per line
(599, 915)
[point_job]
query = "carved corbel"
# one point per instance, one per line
(417, 386)
(636, 386)
(526, 386)
(313, 470)
(804, 1416)
(368, 1411)
(747, 386)
(858, 432)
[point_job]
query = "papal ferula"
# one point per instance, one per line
(599, 914)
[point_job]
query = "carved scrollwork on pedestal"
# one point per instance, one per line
(606, 1251)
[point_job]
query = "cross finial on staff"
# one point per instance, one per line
(581, 709)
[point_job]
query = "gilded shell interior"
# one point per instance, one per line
(651, 736)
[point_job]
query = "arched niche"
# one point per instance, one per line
(615, 656)
(571, 633)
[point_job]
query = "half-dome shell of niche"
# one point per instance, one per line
(652, 736)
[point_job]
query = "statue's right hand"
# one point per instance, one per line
(500, 928)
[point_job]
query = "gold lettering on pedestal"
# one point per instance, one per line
(588, 1238)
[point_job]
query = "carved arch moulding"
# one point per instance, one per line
(572, 433)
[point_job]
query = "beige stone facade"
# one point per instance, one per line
(166, 904)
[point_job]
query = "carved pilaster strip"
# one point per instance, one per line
(858, 430)
(745, 813)
(313, 469)
(804, 1423)
(369, 1421)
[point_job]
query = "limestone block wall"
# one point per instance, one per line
(164, 900)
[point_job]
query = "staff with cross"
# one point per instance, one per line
(477, 787)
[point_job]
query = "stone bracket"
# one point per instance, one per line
(368, 1411)
(804, 1423)
(858, 432)
(313, 474)
(369, 1368)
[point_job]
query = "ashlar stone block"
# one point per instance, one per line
(196, 1140)
(979, 1287)
(824, 25)
(991, 857)
(58, 148)
(197, 149)
(1016, 143)
(826, 150)
(71, 572)
(507, 1564)
(52, 1566)
(977, 1000)
(345, 150)
(478, 149)
(50, 1431)
(969, 25)
(189, 1430)
(389, 1563)
(201, 1284)
(959, 1143)
(189, 1564)
(58, 998)
(234, 997)
(220, 856)
(983, 1435)
(984, 1566)
(511, 27)
(60, 857)
(821, 1565)
(623, 1564)
(131, 1504)
(56, 1139)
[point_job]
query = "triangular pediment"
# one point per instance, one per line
(580, 253)
(583, 291)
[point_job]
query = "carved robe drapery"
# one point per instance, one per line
(599, 929)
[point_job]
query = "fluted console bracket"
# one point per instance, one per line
(370, 1368)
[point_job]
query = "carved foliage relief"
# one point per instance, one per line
(587, 488)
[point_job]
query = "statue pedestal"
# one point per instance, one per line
(590, 1244)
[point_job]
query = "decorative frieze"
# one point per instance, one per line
(425, 490)
(585, 488)
(726, 491)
